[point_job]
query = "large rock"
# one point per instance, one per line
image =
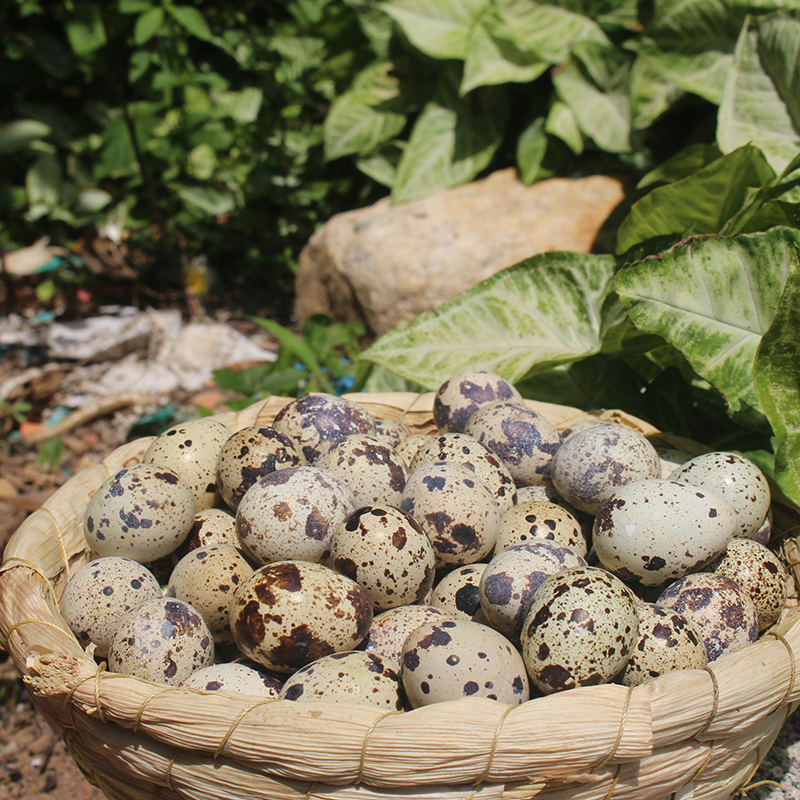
(381, 264)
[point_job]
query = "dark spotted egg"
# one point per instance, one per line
(458, 592)
(667, 641)
(249, 454)
(593, 464)
(389, 431)
(580, 630)
(234, 677)
(540, 520)
(654, 531)
(460, 396)
(722, 611)
(457, 658)
(212, 526)
(290, 613)
(407, 447)
(143, 512)
(164, 640)
(191, 449)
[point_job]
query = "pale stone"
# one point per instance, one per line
(382, 264)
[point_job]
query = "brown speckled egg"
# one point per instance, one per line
(460, 396)
(736, 480)
(520, 437)
(234, 677)
(760, 573)
(580, 629)
(316, 420)
(457, 658)
(351, 677)
(143, 512)
(163, 640)
(720, 609)
(459, 448)
(292, 514)
(387, 553)
(667, 641)
(100, 594)
(512, 577)
(593, 464)
(537, 520)
(458, 592)
(207, 579)
(389, 432)
(455, 509)
(407, 447)
(373, 470)
(212, 526)
(191, 449)
(247, 455)
(290, 613)
(585, 424)
(654, 531)
(671, 459)
(391, 628)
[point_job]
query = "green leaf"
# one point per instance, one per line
(494, 55)
(43, 182)
(713, 298)
(700, 203)
(381, 164)
(683, 164)
(439, 29)
(192, 20)
(548, 310)
(452, 141)
(19, 133)
(93, 200)
(772, 214)
(85, 30)
(117, 156)
(561, 122)
(242, 106)
(133, 6)
(210, 201)
(776, 378)
(147, 25)
(201, 162)
(531, 147)
(367, 115)
(761, 99)
(651, 94)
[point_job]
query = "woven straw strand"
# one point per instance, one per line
(620, 731)
(485, 774)
(369, 732)
(715, 706)
(792, 663)
(235, 725)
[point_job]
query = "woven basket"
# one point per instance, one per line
(698, 733)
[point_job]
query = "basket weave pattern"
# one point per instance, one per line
(698, 733)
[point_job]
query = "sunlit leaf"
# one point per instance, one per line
(19, 133)
(192, 20)
(148, 24)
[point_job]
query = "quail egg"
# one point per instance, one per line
(460, 396)
(457, 658)
(458, 593)
(234, 677)
(536, 520)
(407, 447)
(143, 512)
(212, 526)
(389, 432)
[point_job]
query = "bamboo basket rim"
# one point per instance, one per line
(601, 741)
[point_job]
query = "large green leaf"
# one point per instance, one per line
(453, 139)
(713, 298)
(439, 29)
(761, 99)
(651, 94)
(561, 122)
(701, 203)
(777, 382)
(548, 310)
(683, 164)
(148, 24)
(365, 116)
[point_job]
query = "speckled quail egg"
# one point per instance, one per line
(671, 459)
(387, 553)
(457, 658)
(391, 628)
(191, 449)
(580, 629)
(764, 533)
(520, 437)
(407, 448)
(537, 520)
(290, 613)
(458, 398)
(163, 640)
(736, 480)
(667, 641)
(212, 526)
(459, 448)
(654, 531)
(292, 514)
(594, 463)
(207, 579)
(234, 677)
(319, 419)
(100, 594)
(584, 424)
(350, 677)
(373, 470)
(512, 577)
(720, 609)
(458, 593)
(547, 494)
(248, 454)
(389, 431)
(143, 512)
(455, 509)
(760, 573)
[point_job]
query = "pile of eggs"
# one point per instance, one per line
(337, 557)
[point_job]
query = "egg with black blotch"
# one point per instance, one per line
(235, 677)
(458, 592)
(457, 398)
(533, 520)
